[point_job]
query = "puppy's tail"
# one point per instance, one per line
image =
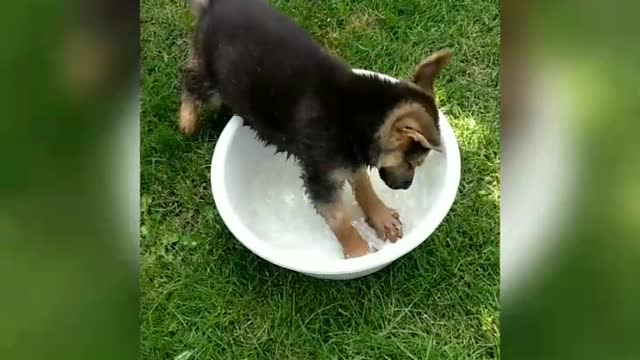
(198, 6)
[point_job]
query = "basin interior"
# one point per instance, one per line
(265, 191)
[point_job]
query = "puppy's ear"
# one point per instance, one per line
(428, 138)
(428, 69)
(422, 140)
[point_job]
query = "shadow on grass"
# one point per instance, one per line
(213, 121)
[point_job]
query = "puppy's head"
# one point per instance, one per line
(410, 129)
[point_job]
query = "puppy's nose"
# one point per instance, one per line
(406, 184)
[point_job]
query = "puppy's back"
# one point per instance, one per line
(261, 61)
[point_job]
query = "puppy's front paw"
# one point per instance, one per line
(356, 250)
(386, 222)
(355, 246)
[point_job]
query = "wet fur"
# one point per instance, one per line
(295, 95)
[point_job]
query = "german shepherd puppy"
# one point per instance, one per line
(309, 104)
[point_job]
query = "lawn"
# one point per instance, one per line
(204, 296)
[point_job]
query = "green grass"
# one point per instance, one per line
(205, 296)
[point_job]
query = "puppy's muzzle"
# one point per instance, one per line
(393, 181)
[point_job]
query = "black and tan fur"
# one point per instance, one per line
(311, 105)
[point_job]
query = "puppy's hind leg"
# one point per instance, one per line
(188, 107)
(188, 116)
(196, 89)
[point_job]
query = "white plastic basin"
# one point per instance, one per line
(260, 198)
